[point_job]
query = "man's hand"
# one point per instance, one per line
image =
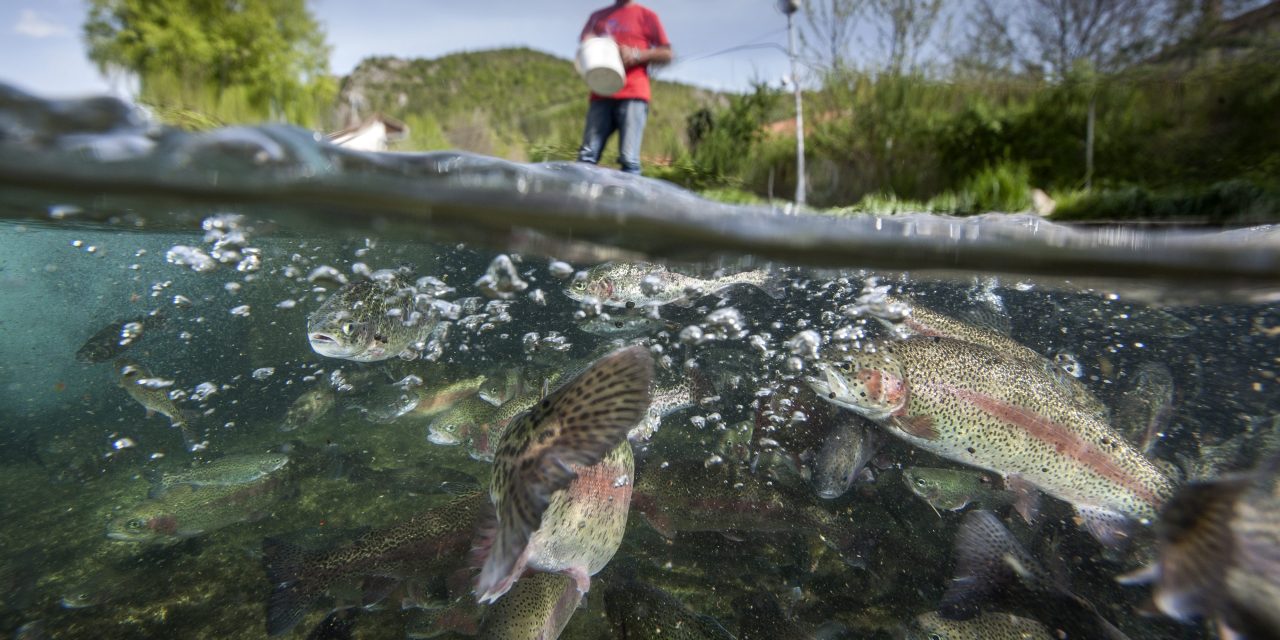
(631, 56)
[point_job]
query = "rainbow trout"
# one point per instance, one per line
(1219, 554)
(955, 489)
(971, 404)
(923, 321)
(987, 626)
(114, 338)
(537, 608)
(434, 542)
(994, 571)
(309, 407)
(844, 453)
(372, 320)
(562, 476)
(153, 394)
(455, 425)
(639, 284)
(187, 510)
(228, 470)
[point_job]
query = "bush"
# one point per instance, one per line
(1003, 187)
(1233, 201)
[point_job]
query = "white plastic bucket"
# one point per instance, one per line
(600, 64)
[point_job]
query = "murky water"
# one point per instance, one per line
(179, 458)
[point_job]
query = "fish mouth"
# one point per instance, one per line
(443, 439)
(328, 346)
(829, 493)
(835, 389)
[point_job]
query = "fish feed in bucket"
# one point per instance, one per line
(600, 64)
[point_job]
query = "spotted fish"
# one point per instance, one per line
(372, 320)
(667, 399)
(114, 338)
(146, 389)
(844, 453)
(562, 475)
(639, 284)
(955, 489)
(537, 608)
(994, 572)
(1220, 553)
(433, 542)
(185, 511)
(974, 405)
(924, 321)
(987, 626)
(456, 425)
(309, 407)
(228, 470)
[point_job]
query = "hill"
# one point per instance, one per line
(520, 104)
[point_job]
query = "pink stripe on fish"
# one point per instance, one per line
(1064, 440)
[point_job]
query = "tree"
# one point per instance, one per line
(904, 28)
(828, 30)
(269, 55)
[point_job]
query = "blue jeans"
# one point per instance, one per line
(605, 116)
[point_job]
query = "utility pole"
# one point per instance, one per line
(790, 7)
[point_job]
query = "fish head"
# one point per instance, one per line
(357, 321)
(142, 525)
(345, 337)
(271, 462)
(130, 372)
(599, 283)
(449, 429)
(922, 483)
(873, 384)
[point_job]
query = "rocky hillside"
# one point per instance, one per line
(516, 103)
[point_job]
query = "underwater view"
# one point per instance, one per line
(259, 386)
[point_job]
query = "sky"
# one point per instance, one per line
(41, 49)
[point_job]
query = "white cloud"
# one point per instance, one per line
(33, 25)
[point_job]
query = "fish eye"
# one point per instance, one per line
(347, 328)
(618, 324)
(135, 524)
(846, 367)
(580, 285)
(919, 482)
(935, 636)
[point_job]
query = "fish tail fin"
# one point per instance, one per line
(288, 601)
(1197, 541)
(988, 560)
(577, 425)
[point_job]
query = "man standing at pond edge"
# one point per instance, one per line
(641, 41)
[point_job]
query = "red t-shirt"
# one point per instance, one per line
(630, 25)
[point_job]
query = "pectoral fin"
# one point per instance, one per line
(539, 453)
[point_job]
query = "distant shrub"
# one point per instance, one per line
(1003, 187)
(1234, 201)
